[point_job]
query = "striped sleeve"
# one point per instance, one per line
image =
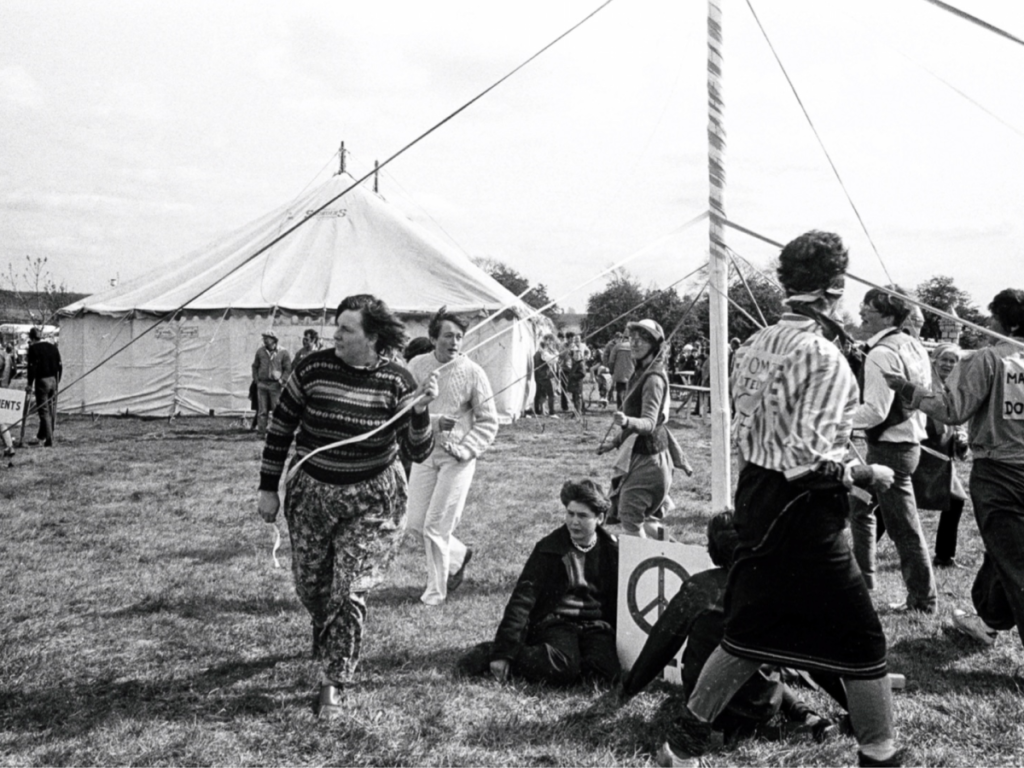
(284, 422)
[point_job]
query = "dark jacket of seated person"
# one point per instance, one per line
(559, 624)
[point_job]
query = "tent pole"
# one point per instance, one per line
(721, 460)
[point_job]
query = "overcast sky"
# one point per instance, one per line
(134, 132)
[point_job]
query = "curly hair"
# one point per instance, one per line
(377, 321)
(812, 261)
(434, 329)
(587, 492)
(887, 305)
(722, 539)
(1008, 308)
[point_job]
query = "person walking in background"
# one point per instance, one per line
(43, 372)
(577, 372)
(936, 485)
(642, 476)
(310, 343)
(986, 390)
(270, 371)
(794, 595)
(622, 367)
(465, 423)
(545, 370)
(894, 434)
(346, 507)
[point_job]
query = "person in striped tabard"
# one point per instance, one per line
(795, 596)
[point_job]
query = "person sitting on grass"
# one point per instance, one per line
(696, 617)
(559, 624)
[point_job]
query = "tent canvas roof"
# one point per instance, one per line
(358, 244)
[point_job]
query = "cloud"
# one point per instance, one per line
(18, 88)
(23, 201)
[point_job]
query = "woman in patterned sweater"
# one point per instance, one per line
(346, 507)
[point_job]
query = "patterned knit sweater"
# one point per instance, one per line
(464, 393)
(327, 401)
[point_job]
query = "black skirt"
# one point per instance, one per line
(795, 595)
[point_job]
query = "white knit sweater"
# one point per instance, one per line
(464, 394)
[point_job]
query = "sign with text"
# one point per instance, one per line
(650, 574)
(12, 401)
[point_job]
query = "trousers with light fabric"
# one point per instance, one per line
(437, 497)
(343, 539)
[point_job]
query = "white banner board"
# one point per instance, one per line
(650, 574)
(12, 401)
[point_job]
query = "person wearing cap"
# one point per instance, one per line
(986, 390)
(270, 371)
(894, 434)
(795, 596)
(643, 469)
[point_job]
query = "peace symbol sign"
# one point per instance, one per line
(661, 564)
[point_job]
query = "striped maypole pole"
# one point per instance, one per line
(721, 462)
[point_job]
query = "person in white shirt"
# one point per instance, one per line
(894, 434)
(465, 423)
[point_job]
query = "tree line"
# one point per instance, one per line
(754, 298)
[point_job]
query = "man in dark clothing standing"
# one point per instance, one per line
(44, 371)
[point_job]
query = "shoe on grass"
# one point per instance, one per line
(974, 626)
(455, 579)
(895, 759)
(946, 562)
(668, 758)
(330, 705)
(477, 661)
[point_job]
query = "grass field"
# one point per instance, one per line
(143, 622)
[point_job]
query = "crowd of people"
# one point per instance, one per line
(791, 597)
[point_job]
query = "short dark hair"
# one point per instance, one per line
(888, 305)
(442, 315)
(310, 333)
(586, 491)
(1008, 308)
(377, 321)
(813, 261)
(421, 345)
(722, 539)
(34, 333)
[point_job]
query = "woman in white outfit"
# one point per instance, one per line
(465, 423)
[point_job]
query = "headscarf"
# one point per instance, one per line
(938, 351)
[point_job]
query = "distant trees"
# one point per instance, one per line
(536, 296)
(624, 297)
(33, 293)
(940, 292)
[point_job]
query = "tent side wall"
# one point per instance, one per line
(201, 363)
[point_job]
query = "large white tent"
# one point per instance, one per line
(199, 362)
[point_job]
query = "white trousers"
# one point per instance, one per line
(437, 495)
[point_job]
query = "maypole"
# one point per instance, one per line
(721, 464)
